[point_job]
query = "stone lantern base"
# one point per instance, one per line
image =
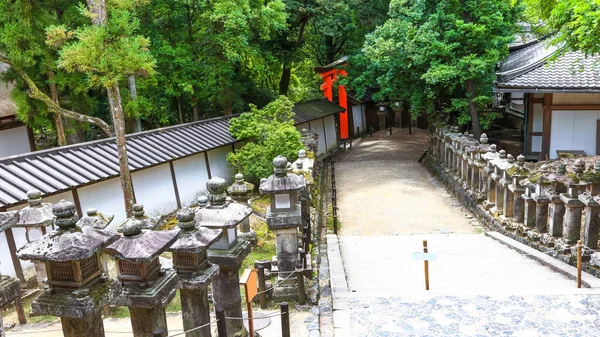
(79, 310)
(147, 305)
(195, 309)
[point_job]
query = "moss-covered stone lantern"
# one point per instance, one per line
(77, 291)
(95, 219)
(215, 212)
(140, 215)
(35, 218)
(147, 289)
(241, 191)
(284, 217)
(190, 261)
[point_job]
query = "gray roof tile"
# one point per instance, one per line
(63, 168)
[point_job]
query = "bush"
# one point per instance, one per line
(271, 132)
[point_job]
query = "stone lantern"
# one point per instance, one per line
(284, 216)
(303, 167)
(10, 287)
(241, 191)
(496, 176)
(140, 215)
(516, 188)
(37, 216)
(573, 206)
(77, 291)
(487, 181)
(310, 140)
(95, 219)
(190, 261)
(147, 288)
(227, 252)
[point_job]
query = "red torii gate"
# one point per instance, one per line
(330, 73)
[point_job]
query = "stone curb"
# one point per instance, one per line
(469, 202)
(569, 271)
(339, 287)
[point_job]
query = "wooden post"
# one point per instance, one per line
(390, 130)
(20, 310)
(221, 325)
(285, 319)
(12, 247)
(579, 248)
(301, 291)
(262, 296)
(426, 263)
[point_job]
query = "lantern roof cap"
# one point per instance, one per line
(37, 213)
(68, 242)
(95, 219)
(139, 245)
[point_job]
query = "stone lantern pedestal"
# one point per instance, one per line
(241, 191)
(227, 252)
(190, 261)
(147, 288)
(77, 290)
(284, 217)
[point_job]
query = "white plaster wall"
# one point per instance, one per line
(191, 175)
(14, 141)
(331, 132)
(317, 125)
(106, 197)
(573, 130)
(573, 98)
(154, 189)
(218, 163)
(357, 116)
(302, 126)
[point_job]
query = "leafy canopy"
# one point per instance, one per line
(271, 132)
(108, 53)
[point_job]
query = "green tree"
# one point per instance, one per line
(440, 55)
(576, 21)
(271, 132)
(107, 51)
(33, 65)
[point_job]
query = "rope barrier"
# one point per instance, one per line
(194, 329)
(261, 317)
(292, 273)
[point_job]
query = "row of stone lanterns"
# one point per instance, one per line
(70, 265)
(544, 203)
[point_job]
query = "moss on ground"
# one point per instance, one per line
(265, 244)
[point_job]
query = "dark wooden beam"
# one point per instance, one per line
(174, 179)
(547, 129)
(324, 134)
(207, 164)
(77, 202)
(12, 247)
(31, 138)
(571, 106)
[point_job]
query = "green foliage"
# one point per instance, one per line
(427, 52)
(576, 21)
(107, 53)
(271, 132)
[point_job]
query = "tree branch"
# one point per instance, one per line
(35, 93)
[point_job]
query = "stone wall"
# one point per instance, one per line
(548, 206)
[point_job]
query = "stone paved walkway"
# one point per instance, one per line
(479, 287)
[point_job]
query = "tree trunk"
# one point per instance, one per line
(179, 109)
(227, 101)
(133, 124)
(284, 83)
(476, 130)
(98, 8)
(195, 109)
(116, 108)
(60, 130)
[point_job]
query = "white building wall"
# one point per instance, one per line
(357, 115)
(106, 197)
(218, 163)
(154, 189)
(317, 125)
(191, 174)
(330, 132)
(14, 141)
(573, 130)
(302, 126)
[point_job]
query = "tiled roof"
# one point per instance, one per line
(530, 68)
(63, 168)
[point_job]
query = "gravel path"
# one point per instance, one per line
(388, 204)
(383, 190)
